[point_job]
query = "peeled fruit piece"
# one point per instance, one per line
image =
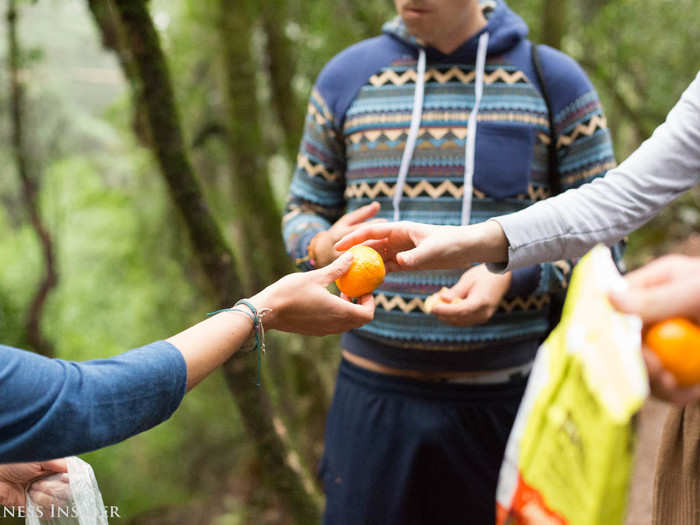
(432, 300)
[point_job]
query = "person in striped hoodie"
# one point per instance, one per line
(439, 120)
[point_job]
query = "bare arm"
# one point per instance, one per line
(58, 408)
(298, 303)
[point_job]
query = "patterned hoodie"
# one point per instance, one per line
(445, 139)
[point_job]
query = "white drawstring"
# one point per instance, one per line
(412, 133)
(470, 149)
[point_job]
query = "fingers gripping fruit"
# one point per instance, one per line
(365, 274)
(437, 298)
(676, 342)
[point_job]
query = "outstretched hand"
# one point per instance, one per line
(14, 478)
(301, 303)
(405, 245)
(323, 243)
(413, 246)
(667, 287)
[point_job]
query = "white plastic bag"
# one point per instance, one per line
(66, 499)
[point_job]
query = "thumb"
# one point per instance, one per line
(366, 303)
(361, 214)
(624, 301)
(655, 304)
(54, 465)
(460, 289)
(414, 258)
(337, 269)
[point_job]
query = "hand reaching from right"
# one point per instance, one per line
(665, 288)
(413, 246)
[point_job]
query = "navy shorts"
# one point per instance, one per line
(406, 452)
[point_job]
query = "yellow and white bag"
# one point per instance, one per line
(570, 452)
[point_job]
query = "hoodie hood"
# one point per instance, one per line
(505, 28)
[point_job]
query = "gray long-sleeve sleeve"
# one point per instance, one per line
(605, 210)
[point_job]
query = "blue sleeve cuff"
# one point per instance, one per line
(525, 281)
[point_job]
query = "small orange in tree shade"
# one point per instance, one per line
(365, 274)
(676, 342)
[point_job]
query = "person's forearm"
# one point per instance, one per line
(484, 242)
(209, 343)
(607, 209)
(206, 345)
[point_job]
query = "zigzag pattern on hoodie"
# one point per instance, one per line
(355, 134)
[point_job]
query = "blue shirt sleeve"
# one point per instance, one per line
(51, 408)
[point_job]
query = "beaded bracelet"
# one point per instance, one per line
(257, 319)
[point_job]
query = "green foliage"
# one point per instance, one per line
(17, 279)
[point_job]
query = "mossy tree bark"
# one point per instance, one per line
(156, 94)
(280, 66)
(30, 191)
(105, 16)
(256, 209)
(257, 214)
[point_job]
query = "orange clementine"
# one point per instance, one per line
(365, 274)
(676, 342)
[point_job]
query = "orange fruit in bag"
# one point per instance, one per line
(676, 342)
(365, 274)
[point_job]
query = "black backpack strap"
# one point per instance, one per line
(553, 163)
(556, 305)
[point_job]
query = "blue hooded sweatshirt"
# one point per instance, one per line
(445, 139)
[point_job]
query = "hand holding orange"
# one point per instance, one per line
(432, 300)
(676, 342)
(365, 274)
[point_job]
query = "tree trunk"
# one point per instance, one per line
(155, 92)
(554, 22)
(216, 257)
(282, 466)
(30, 191)
(280, 67)
(257, 212)
(104, 14)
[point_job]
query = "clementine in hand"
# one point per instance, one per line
(676, 342)
(365, 274)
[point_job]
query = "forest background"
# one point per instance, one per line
(146, 149)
